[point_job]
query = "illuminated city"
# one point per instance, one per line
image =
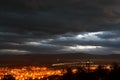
(59, 39)
(38, 73)
(29, 72)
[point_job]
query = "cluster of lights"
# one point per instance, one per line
(84, 64)
(30, 72)
(33, 72)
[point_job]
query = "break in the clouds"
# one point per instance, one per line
(86, 42)
(60, 26)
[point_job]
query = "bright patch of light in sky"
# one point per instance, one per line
(83, 47)
(89, 36)
(33, 43)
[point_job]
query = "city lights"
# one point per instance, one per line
(29, 72)
(36, 72)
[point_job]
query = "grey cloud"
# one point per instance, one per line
(110, 35)
(60, 17)
(101, 38)
(31, 48)
(101, 42)
(56, 23)
(13, 51)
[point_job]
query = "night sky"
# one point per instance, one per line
(59, 26)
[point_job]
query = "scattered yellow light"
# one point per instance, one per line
(74, 71)
(29, 72)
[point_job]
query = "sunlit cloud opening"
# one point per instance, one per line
(81, 48)
(84, 47)
(89, 36)
(33, 43)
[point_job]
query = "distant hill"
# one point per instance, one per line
(44, 59)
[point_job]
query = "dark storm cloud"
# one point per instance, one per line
(57, 25)
(59, 16)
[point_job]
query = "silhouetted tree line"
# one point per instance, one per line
(82, 74)
(98, 74)
(8, 77)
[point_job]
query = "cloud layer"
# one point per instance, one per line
(60, 26)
